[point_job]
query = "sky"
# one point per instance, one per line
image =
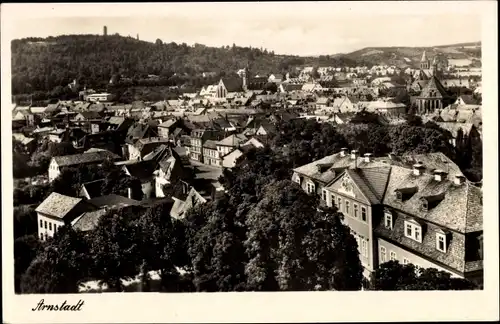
(286, 28)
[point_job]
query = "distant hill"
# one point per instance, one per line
(48, 65)
(410, 56)
(42, 64)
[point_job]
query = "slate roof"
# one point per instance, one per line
(90, 114)
(58, 205)
(83, 158)
(459, 210)
(372, 181)
(468, 99)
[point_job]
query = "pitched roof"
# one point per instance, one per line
(453, 127)
(58, 205)
(210, 144)
(88, 221)
(83, 158)
(143, 170)
(433, 89)
(371, 181)
(233, 84)
(232, 140)
(93, 188)
(112, 201)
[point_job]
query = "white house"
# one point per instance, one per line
(95, 157)
(229, 161)
(56, 211)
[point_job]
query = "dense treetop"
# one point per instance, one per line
(41, 64)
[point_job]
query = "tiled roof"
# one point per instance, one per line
(88, 221)
(460, 208)
(210, 144)
(453, 127)
(84, 158)
(58, 205)
(167, 123)
(232, 140)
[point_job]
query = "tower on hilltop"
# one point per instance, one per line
(105, 31)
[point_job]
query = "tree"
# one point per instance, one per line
(158, 42)
(115, 247)
(25, 221)
(26, 249)
(163, 245)
(394, 276)
(286, 236)
(60, 266)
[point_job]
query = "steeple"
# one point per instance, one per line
(424, 62)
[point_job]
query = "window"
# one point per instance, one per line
(334, 202)
(324, 194)
(356, 210)
(406, 261)
(364, 248)
(50, 226)
(363, 214)
(393, 256)
(347, 207)
(339, 203)
(413, 231)
(297, 180)
(388, 220)
(440, 242)
(310, 187)
(382, 254)
(41, 223)
(45, 222)
(41, 236)
(358, 239)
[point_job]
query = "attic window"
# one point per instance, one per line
(388, 220)
(441, 241)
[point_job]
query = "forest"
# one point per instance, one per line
(43, 64)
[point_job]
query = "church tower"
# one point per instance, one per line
(424, 62)
(434, 67)
(244, 78)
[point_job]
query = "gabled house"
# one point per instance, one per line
(180, 207)
(211, 155)
(144, 171)
(230, 143)
(91, 189)
(59, 162)
(145, 146)
(58, 210)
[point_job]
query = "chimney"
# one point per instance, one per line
(354, 154)
(368, 157)
(439, 175)
(459, 179)
(418, 168)
(343, 151)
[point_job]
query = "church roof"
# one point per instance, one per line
(433, 89)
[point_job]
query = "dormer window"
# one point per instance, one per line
(388, 220)
(403, 194)
(429, 202)
(442, 240)
(413, 230)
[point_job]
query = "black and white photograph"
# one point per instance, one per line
(238, 148)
